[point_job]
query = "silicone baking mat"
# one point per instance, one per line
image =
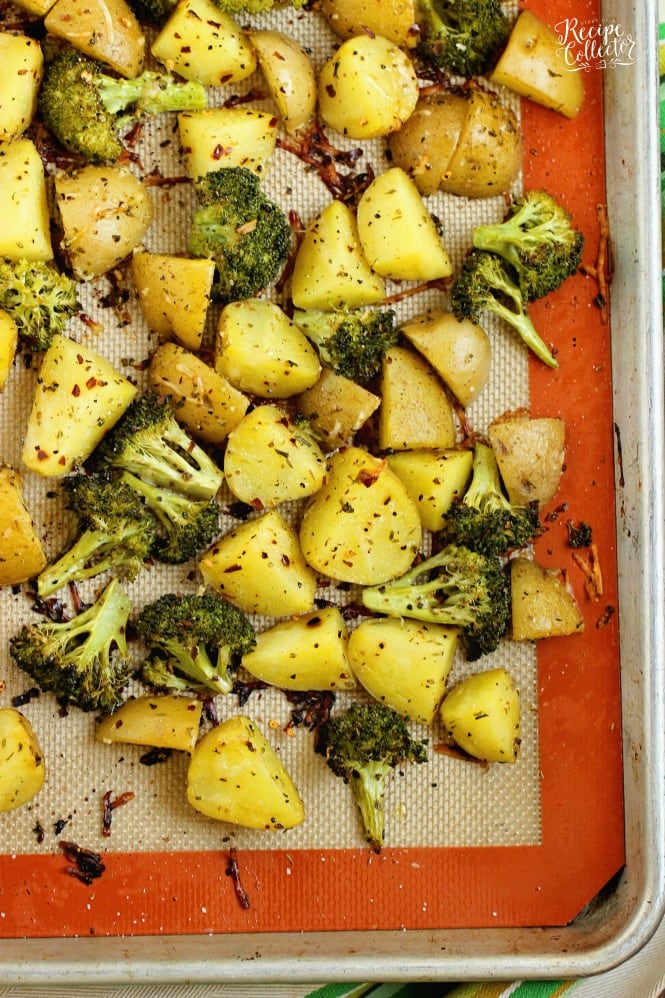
(466, 846)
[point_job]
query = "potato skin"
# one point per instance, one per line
(464, 144)
(22, 770)
(482, 715)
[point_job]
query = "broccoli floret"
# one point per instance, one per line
(194, 639)
(486, 284)
(256, 6)
(80, 104)
(39, 299)
(242, 230)
(485, 520)
(185, 526)
(113, 530)
(363, 746)
(352, 343)
(456, 587)
(462, 36)
(149, 442)
(153, 11)
(83, 661)
(580, 534)
(538, 240)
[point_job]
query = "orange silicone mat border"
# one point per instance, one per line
(579, 695)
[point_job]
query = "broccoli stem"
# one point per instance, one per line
(368, 784)
(522, 324)
(484, 491)
(151, 93)
(93, 553)
(195, 662)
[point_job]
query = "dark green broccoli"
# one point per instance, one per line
(195, 641)
(153, 11)
(256, 6)
(580, 534)
(363, 746)
(242, 230)
(352, 343)
(83, 660)
(39, 299)
(113, 530)
(463, 37)
(484, 519)
(185, 527)
(149, 442)
(456, 587)
(80, 104)
(538, 240)
(487, 285)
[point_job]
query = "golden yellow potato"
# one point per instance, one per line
(22, 555)
(22, 68)
(164, 721)
(460, 352)
(8, 345)
(308, 652)
(79, 396)
(235, 775)
(433, 478)
(537, 64)
(220, 137)
(530, 454)
(543, 605)
(397, 232)
(105, 213)
(204, 401)
(258, 328)
(289, 73)
(106, 30)
(202, 43)
(22, 769)
(260, 568)
(330, 269)
(425, 143)
(482, 715)
(362, 526)
(403, 663)
(415, 409)
(394, 19)
(25, 233)
(368, 88)
(174, 295)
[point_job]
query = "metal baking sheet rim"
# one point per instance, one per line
(621, 920)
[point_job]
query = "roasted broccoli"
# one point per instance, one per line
(195, 641)
(580, 534)
(538, 240)
(149, 442)
(242, 230)
(113, 530)
(153, 11)
(185, 526)
(352, 343)
(39, 299)
(256, 6)
(462, 36)
(456, 587)
(81, 105)
(484, 519)
(83, 660)
(486, 284)
(363, 746)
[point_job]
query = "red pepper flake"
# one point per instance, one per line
(110, 806)
(233, 871)
(76, 391)
(605, 617)
(87, 866)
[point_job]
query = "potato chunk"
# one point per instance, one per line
(530, 453)
(235, 775)
(22, 555)
(22, 769)
(25, 233)
(174, 295)
(543, 606)
(163, 721)
(415, 409)
(106, 30)
(482, 715)
(22, 66)
(202, 43)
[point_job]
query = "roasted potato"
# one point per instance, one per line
(289, 73)
(202, 43)
(394, 19)
(482, 715)
(8, 345)
(460, 352)
(220, 137)
(25, 233)
(22, 770)
(235, 775)
(433, 478)
(466, 144)
(543, 604)
(22, 555)
(336, 408)
(415, 409)
(163, 721)
(22, 68)
(174, 295)
(105, 30)
(530, 454)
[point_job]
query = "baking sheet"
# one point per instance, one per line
(415, 886)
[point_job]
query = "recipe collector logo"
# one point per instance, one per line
(595, 44)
